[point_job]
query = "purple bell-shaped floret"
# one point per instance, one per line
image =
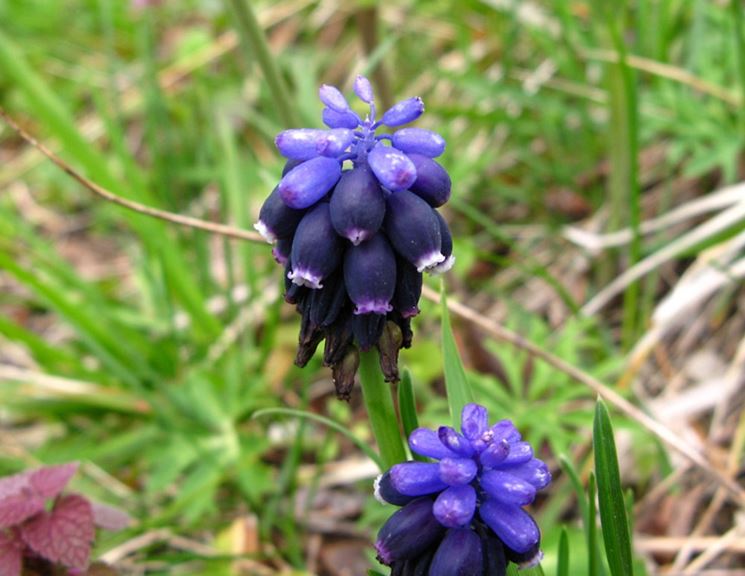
(334, 142)
(432, 180)
(298, 143)
(392, 167)
(403, 112)
(419, 141)
(308, 182)
(370, 275)
(316, 248)
(333, 98)
(413, 229)
(459, 554)
(363, 89)
(277, 219)
(357, 205)
(495, 563)
(334, 119)
(514, 526)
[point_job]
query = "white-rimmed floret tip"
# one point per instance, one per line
(370, 275)
(316, 248)
(413, 229)
(429, 261)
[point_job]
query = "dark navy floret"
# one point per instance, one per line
(316, 248)
(327, 303)
(357, 205)
(276, 219)
(408, 289)
(459, 553)
(446, 247)
(409, 532)
(432, 181)
(413, 229)
(367, 329)
(370, 275)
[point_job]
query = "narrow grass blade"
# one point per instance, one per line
(95, 335)
(50, 110)
(591, 528)
(407, 404)
(252, 34)
(579, 491)
(344, 431)
(610, 496)
(562, 568)
(458, 389)
(407, 408)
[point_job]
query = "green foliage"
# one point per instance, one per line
(150, 349)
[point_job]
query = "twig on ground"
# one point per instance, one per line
(196, 223)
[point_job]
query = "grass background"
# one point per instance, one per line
(584, 141)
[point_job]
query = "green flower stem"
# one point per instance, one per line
(253, 35)
(379, 403)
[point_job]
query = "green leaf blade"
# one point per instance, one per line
(458, 389)
(613, 520)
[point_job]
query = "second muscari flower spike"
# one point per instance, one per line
(466, 505)
(354, 222)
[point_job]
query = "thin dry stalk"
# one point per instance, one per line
(179, 219)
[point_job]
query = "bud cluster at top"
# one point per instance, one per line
(462, 513)
(355, 224)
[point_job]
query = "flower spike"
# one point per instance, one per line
(476, 491)
(353, 223)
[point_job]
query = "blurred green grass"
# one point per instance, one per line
(185, 338)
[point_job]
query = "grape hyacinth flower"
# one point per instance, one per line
(354, 223)
(462, 513)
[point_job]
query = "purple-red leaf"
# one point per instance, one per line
(49, 481)
(109, 517)
(22, 495)
(16, 508)
(11, 485)
(65, 534)
(11, 555)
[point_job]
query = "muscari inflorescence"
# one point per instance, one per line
(354, 223)
(463, 513)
